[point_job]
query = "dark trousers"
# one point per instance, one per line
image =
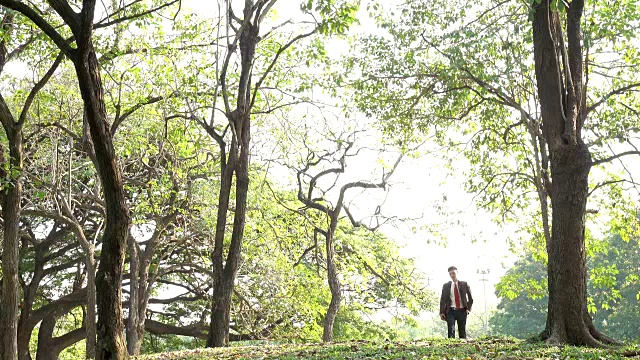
(461, 317)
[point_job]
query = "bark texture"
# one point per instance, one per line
(10, 198)
(562, 97)
(234, 166)
(334, 284)
(110, 339)
(110, 328)
(12, 194)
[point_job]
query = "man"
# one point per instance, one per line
(455, 304)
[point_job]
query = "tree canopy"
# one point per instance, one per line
(178, 174)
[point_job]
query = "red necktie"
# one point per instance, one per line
(456, 293)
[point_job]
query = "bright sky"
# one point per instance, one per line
(418, 186)
(474, 242)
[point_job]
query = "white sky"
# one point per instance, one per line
(474, 242)
(417, 185)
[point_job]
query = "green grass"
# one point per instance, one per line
(484, 348)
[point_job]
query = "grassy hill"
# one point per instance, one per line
(486, 348)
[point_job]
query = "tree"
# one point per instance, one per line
(355, 269)
(611, 284)
(332, 164)
(83, 56)
(562, 92)
(12, 179)
(243, 94)
(480, 79)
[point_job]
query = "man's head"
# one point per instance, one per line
(453, 273)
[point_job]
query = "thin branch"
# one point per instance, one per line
(133, 16)
(40, 22)
(610, 94)
(39, 85)
(275, 59)
(611, 158)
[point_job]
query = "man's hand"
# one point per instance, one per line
(468, 311)
(442, 317)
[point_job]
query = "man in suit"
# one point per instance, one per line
(455, 304)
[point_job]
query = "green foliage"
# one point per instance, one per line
(613, 286)
(159, 344)
(462, 74)
(483, 348)
(337, 15)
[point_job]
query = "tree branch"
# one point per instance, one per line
(611, 158)
(39, 85)
(610, 94)
(40, 22)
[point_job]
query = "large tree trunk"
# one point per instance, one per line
(568, 315)
(110, 328)
(559, 80)
(334, 286)
(10, 251)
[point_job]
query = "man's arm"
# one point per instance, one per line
(443, 301)
(470, 298)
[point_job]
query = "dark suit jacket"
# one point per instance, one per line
(465, 296)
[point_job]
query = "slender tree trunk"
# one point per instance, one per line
(133, 339)
(142, 285)
(224, 282)
(238, 164)
(90, 317)
(11, 240)
(219, 326)
(24, 328)
(334, 286)
(225, 276)
(110, 328)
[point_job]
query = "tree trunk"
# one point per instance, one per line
(220, 317)
(141, 285)
(90, 317)
(334, 286)
(560, 92)
(110, 339)
(49, 347)
(45, 334)
(567, 258)
(134, 341)
(11, 240)
(224, 277)
(24, 328)
(219, 326)
(238, 164)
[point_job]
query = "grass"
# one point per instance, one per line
(484, 348)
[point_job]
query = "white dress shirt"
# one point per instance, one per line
(453, 295)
